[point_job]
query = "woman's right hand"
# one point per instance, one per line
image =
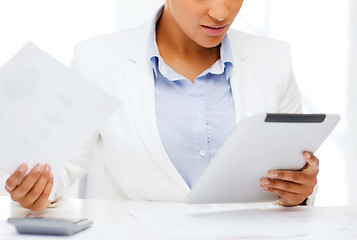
(32, 190)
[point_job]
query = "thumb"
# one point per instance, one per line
(312, 162)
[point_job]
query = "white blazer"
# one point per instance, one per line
(129, 160)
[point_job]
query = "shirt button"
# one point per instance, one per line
(199, 115)
(203, 153)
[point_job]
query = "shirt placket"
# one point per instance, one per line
(199, 128)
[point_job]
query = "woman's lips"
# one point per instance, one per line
(214, 30)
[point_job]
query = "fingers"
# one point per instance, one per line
(38, 188)
(293, 187)
(294, 176)
(32, 190)
(42, 201)
(288, 198)
(306, 176)
(14, 180)
(312, 162)
(290, 194)
(291, 176)
(289, 187)
(27, 183)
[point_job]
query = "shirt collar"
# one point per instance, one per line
(225, 63)
(153, 50)
(222, 65)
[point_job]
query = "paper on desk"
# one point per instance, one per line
(46, 111)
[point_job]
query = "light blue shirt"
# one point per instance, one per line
(193, 120)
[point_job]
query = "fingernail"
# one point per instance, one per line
(8, 188)
(265, 187)
(307, 155)
(22, 168)
(265, 182)
(39, 168)
(51, 175)
(47, 168)
(273, 174)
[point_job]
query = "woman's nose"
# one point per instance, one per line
(219, 10)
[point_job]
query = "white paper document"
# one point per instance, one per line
(47, 111)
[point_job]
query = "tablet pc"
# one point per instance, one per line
(260, 143)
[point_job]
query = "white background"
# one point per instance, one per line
(321, 33)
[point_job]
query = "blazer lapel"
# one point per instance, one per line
(141, 89)
(241, 84)
(237, 86)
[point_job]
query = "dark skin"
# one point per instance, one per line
(293, 187)
(182, 37)
(32, 190)
(186, 63)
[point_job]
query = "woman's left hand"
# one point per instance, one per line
(293, 187)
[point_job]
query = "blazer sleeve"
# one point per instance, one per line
(75, 168)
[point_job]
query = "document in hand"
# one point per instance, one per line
(47, 111)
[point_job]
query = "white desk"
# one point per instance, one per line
(114, 219)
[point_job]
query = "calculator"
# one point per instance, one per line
(49, 225)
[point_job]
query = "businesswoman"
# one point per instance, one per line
(183, 81)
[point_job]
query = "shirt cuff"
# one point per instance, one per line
(59, 196)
